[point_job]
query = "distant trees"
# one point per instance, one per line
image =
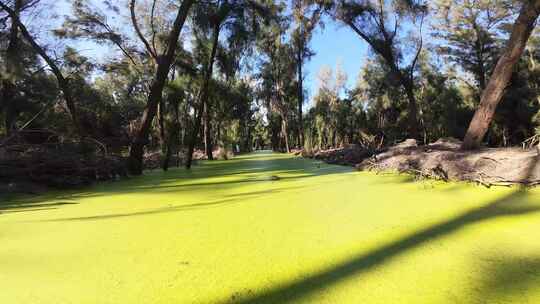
(470, 33)
(236, 77)
(331, 110)
(279, 86)
(236, 22)
(382, 25)
(305, 17)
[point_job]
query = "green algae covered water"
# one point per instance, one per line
(271, 228)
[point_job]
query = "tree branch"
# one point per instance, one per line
(147, 45)
(62, 81)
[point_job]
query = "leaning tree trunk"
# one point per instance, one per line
(135, 160)
(501, 74)
(203, 100)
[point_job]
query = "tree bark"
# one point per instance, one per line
(135, 160)
(203, 100)
(502, 73)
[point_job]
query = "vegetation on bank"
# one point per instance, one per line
(173, 77)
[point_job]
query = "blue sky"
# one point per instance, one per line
(335, 44)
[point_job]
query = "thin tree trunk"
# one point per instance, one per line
(173, 141)
(135, 161)
(203, 100)
(161, 122)
(300, 99)
(413, 108)
(207, 133)
(285, 135)
(502, 73)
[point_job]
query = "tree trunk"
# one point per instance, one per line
(413, 108)
(135, 160)
(173, 141)
(161, 122)
(203, 100)
(300, 99)
(207, 133)
(285, 135)
(494, 91)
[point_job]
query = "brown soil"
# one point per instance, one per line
(350, 155)
(444, 160)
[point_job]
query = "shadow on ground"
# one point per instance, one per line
(232, 199)
(511, 205)
(251, 168)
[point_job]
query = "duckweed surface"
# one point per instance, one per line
(231, 232)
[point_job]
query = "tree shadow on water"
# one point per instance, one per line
(31, 205)
(224, 174)
(508, 276)
(514, 204)
(227, 200)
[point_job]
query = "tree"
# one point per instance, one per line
(163, 61)
(494, 91)
(238, 21)
(306, 18)
(63, 82)
(380, 24)
(278, 75)
(470, 33)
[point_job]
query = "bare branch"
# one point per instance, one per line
(149, 48)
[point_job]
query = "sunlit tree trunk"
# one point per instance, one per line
(501, 74)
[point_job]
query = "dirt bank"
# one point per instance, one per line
(444, 160)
